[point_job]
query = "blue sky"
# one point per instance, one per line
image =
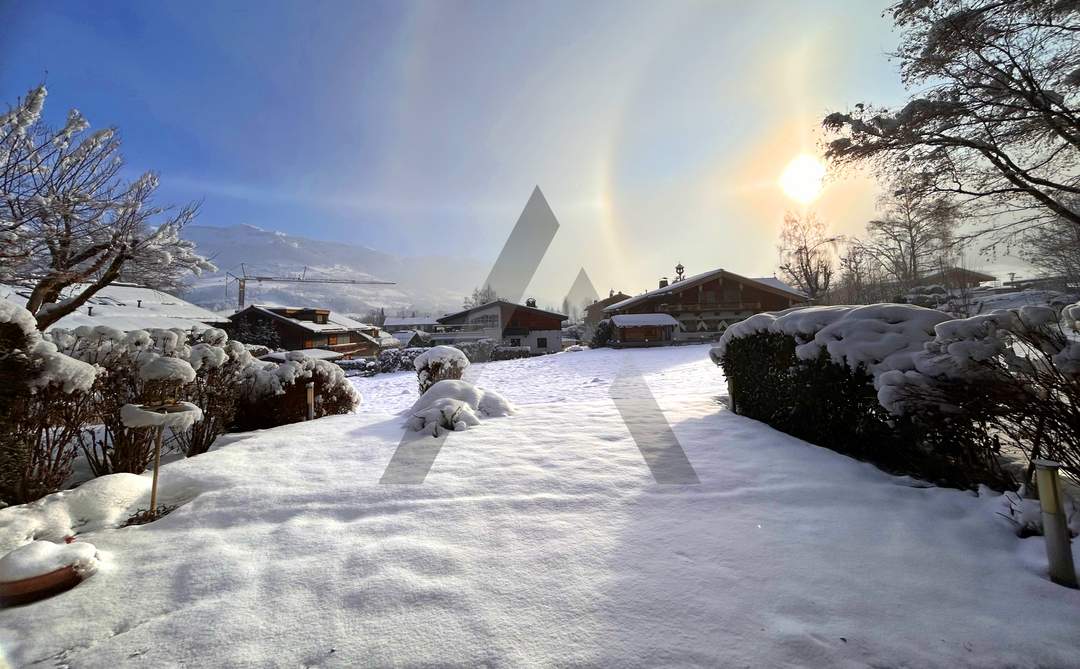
(422, 127)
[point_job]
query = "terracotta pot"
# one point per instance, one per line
(34, 588)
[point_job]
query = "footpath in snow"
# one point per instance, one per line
(540, 539)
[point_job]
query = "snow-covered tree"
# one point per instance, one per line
(69, 225)
(994, 114)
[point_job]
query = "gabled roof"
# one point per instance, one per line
(771, 285)
(334, 322)
(638, 320)
(961, 271)
(502, 303)
(126, 306)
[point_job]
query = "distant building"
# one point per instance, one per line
(307, 327)
(643, 330)
(703, 305)
(504, 322)
(594, 313)
(411, 338)
(421, 323)
(127, 306)
(956, 277)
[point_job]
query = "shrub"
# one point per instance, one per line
(510, 352)
(398, 359)
(812, 373)
(439, 363)
(220, 366)
(602, 335)
(44, 401)
(275, 394)
(358, 367)
(477, 351)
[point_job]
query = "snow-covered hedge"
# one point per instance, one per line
(455, 405)
(814, 373)
(398, 359)
(438, 363)
(275, 394)
(44, 401)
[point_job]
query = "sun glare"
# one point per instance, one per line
(801, 179)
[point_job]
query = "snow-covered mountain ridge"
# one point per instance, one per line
(430, 283)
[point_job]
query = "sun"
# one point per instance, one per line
(801, 179)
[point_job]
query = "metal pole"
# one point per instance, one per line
(311, 400)
(1055, 529)
(157, 465)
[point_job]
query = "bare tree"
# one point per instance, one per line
(994, 117)
(914, 230)
(69, 226)
(1054, 250)
(805, 261)
(480, 296)
(862, 279)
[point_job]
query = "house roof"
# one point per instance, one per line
(316, 353)
(522, 307)
(636, 320)
(770, 284)
(953, 271)
(334, 322)
(600, 304)
(118, 305)
(406, 336)
(409, 322)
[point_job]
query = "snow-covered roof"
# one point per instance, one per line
(334, 322)
(636, 320)
(409, 322)
(770, 284)
(406, 336)
(501, 303)
(126, 306)
(316, 353)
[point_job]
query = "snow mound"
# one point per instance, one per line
(106, 501)
(41, 557)
(454, 405)
(446, 355)
(54, 367)
(135, 416)
(163, 368)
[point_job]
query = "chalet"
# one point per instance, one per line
(504, 322)
(307, 327)
(594, 313)
(411, 338)
(701, 306)
(127, 306)
(956, 277)
(643, 330)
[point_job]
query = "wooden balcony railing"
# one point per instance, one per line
(675, 308)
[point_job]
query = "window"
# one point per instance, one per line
(332, 340)
(541, 342)
(515, 341)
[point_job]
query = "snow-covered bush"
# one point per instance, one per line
(811, 372)
(275, 394)
(44, 401)
(358, 367)
(454, 405)
(220, 367)
(602, 334)
(477, 351)
(398, 359)
(137, 367)
(439, 363)
(510, 353)
(1008, 377)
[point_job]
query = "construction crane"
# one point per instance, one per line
(244, 277)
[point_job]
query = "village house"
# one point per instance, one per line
(127, 306)
(956, 278)
(594, 313)
(504, 322)
(309, 327)
(695, 308)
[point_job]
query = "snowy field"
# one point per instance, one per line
(540, 539)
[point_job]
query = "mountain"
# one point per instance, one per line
(425, 284)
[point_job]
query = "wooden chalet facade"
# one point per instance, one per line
(504, 322)
(306, 328)
(703, 305)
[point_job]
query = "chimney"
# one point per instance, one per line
(611, 292)
(89, 311)
(663, 282)
(530, 303)
(138, 303)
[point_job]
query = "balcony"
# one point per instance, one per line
(698, 307)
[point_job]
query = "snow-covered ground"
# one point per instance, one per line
(540, 539)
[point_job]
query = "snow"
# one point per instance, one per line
(54, 367)
(118, 306)
(540, 539)
(41, 557)
(313, 353)
(133, 415)
(453, 405)
(633, 320)
(163, 368)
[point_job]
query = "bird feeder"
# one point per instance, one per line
(175, 415)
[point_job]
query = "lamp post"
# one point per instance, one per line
(1055, 528)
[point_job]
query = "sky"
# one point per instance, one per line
(657, 131)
